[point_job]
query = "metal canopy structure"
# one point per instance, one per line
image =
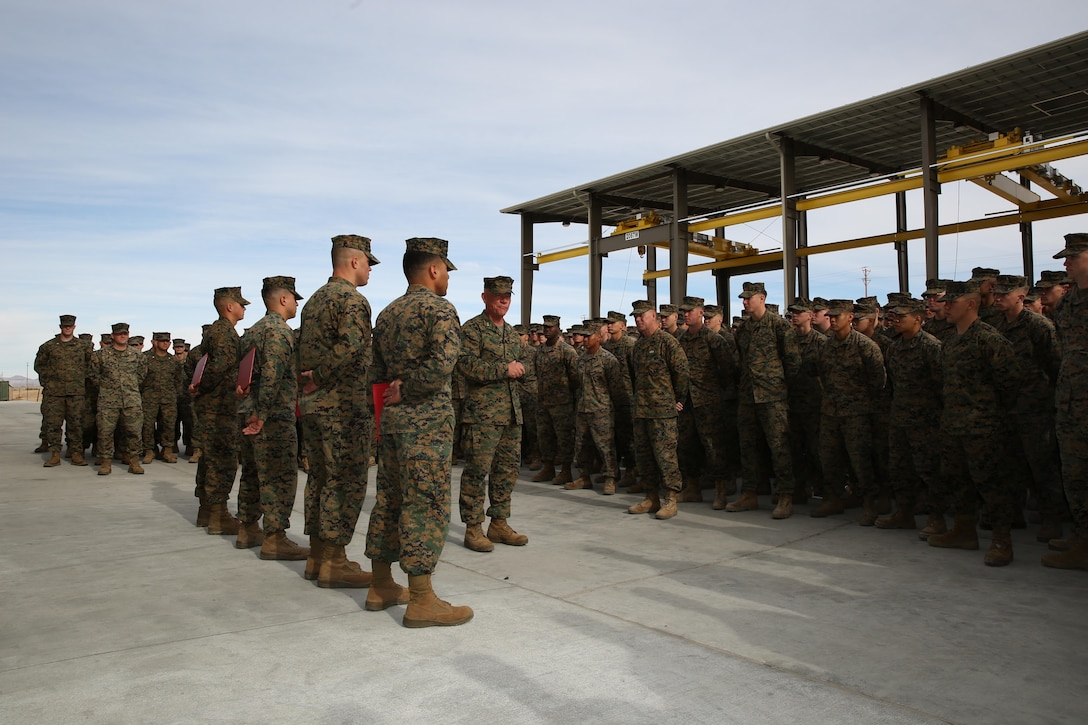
(1014, 114)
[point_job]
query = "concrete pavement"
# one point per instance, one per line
(117, 609)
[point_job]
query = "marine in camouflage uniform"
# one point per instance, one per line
(981, 378)
(1071, 397)
(852, 375)
(217, 407)
(183, 427)
(711, 362)
(62, 368)
(914, 370)
(867, 322)
(491, 432)
(160, 390)
(527, 388)
(556, 376)
(457, 393)
(659, 389)
(335, 355)
(806, 401)
(118, 371)
(621, 345)
(603, 387)
(191, 361)
(937, 325)
(769, 361)
(269, 445)
(1035, 342)
(417, 341)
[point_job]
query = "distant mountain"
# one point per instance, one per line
(21, 381)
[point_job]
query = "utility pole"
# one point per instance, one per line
(865, 279)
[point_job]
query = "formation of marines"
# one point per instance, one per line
(972, 399)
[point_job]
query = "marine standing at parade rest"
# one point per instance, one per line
(191, 361)
(660, 387)
(603, 387)
(556, 381)
(620, 344)
(160, 389)
(269, 479)
(337, 411)
(417, 341)
(216, 404)
(183, 427)
(1071, 397)
(769, 361)
(981, 381)
(806, 399)
(62, 368)
(491, 419)
(118, 371)
(530, 447)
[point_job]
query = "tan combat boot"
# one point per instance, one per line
(249, 535)
(220, 520)
(106, 467)
(903, 518)
(868, 511)
(721, 498)
(313, 561)
(748, 501)
(582, 481)
(475, 539)
(564, 476)
(203, 511)
(650, 505)
(500, 532)
(934, 525)
(963, 535)
(628, 478)
(831, 505)
(78, 459)
(427, 610)
(692, 490)
(1075, 556)
(609, 486)
(277, 547)
(339, 572)
(784, 508)
(149, 455)
(536, 464)
(546, 473)
(169, 454)
(134, 465)
(1050, 527)
(54, 460)
(384, 591)
(195, 457)
(1000, 551)
(637, 487)
(668, 505)
(43, 448)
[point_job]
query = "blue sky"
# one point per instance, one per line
(150, 152)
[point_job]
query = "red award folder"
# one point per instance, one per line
(199, 372)
(379, 393)
(245, 368)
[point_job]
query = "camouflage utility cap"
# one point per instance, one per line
(179, 342)
(668, 310)
(934, 287)
(1049, 278)
(866, 307)
(638, 307)
(800, 304)
(690, 303)
(234, 294)
(205, 328)
(106, 337)
(711, 311)
(160, 336)
(614, 316)
(551, 320)
(136, 340)
(275, 283)
(955, 290)
(981, 274)
(67, 319)
(499, 285)
(119, 327)
(520, 329)
(909, 306)
(819, 303)
(1074, 245)
(752, 288)
(86, 336)
(838, 307)
(1033, 295)
(431, 245)
(354, 241)
(1008, 282)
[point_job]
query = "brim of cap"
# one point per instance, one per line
(297, 296)
(1068, 253)
(745, 295)
(449, 264)
(244, 301)
(686, 308)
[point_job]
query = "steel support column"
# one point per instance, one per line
(1027, 241)
(931, 187)
(527, 268)
(789, 221)
(678, 245)
(802, 262)
(594, 256)
(651, 284)
(901, 247)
